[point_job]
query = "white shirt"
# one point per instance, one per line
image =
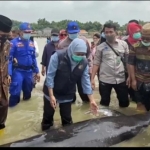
(36, 49)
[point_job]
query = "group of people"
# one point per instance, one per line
(68, 60)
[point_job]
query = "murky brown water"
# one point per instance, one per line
(24, 120)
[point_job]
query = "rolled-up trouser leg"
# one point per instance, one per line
(3, 112)
(15, 88)
(27, 85)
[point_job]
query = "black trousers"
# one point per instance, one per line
(121, 91)
(130, 90)
(48, 114)
(132, 94)
(143, 97)
(83, 96)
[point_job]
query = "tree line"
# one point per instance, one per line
(88, 26)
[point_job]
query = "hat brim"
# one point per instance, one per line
(55, 34)
(27, 31)
(73, 31)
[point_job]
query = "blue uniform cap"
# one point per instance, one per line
(25, 27)
(73, 27)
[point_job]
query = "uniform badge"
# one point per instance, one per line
(80, 67)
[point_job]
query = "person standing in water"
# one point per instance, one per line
(96, 42)
(139, 68)
(5, 27)
(23, 50)
(134, 37)
(65, 68)
(36, 54)
(73, 33)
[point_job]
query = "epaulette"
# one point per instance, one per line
(138, 44)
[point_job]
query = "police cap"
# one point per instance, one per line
(5, 24)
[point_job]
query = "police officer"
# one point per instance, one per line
(23, 51)
(5, 27)
(73, 33)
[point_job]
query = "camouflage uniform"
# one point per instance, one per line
(4, 54)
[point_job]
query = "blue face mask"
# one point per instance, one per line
(26, 36)
(55, 38)
(146, 44)
(103, 35)
(137, 36)
(73, 36)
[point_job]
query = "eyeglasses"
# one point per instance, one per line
(63, 34)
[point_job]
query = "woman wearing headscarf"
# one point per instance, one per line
(134, 33)
(134, 36)
(65, 69)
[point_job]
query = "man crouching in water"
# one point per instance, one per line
(5, 27)
(65, 69)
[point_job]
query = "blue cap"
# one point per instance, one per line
(25, 27)
(73, 27)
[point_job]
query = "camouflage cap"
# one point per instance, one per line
(146, 30)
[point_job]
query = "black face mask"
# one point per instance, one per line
(3, 39)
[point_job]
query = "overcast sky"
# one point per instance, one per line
(119, 11)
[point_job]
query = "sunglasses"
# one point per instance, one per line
(63, 34)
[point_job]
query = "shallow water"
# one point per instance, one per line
(24, 120)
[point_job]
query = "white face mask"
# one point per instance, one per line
(146, 44)
(26, 36)
(73, 36)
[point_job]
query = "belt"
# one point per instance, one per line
(23, 67)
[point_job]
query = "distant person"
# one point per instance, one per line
(62, 34)
(15, 33)
(61, 82)
(5, 27)
(73, 33)
(36, 54)
(96, 42)
(36, 46)
(48, 39)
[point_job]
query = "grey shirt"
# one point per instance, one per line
(111, 67)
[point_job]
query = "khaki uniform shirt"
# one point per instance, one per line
(111, 67)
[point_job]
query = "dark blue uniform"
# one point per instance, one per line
(21, 72)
